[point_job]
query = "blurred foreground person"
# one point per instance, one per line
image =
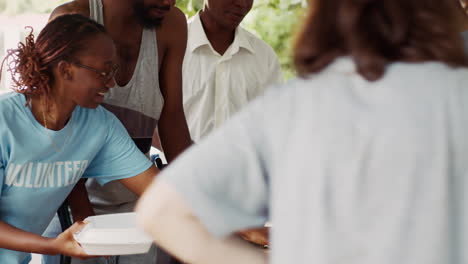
(371, 167)
(53, 132)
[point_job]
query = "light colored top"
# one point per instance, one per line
(349, 171)
(138, 106)
(139, 103)
(217, 86)
(39, 167)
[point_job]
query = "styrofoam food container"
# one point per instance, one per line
(113, 234)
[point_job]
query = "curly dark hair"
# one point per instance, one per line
(31, 63)
(375, 33)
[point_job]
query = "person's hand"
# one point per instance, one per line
(65, 243)
(257, 236)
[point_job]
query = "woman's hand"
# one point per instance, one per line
(65, 243)
(257, 236)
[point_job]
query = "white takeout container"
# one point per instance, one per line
(113, 234)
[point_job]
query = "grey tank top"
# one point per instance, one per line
(138, 105)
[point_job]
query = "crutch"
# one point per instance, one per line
(65, 222)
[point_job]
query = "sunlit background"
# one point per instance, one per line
(272, 20)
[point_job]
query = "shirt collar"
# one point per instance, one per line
(242, 40)
(197, 37)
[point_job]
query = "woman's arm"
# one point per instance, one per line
(19, 240)
(140, 182)
(183, 235)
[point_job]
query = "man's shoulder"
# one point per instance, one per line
(258, 44)
(176, 16)
(73, 7)
(175, 23)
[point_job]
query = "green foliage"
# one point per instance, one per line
(190, 7)
(275, 22)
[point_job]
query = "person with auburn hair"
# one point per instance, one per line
(53, 132)
(372, 162)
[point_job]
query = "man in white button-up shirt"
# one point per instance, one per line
(225, 66)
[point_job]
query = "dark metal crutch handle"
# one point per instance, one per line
(65, 222)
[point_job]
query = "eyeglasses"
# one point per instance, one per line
(106, 76)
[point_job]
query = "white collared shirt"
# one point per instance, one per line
(217, 86)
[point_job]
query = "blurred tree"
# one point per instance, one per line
(190, 7)
(276, 21)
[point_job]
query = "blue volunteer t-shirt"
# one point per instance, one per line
(39, 167)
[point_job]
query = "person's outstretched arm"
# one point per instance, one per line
(166, 216)
(19, 240)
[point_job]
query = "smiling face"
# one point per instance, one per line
(228, 13)
(85, 85)
(150, 13)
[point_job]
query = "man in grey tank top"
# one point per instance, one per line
(151, 37)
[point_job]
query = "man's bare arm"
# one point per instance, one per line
(172, 128)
